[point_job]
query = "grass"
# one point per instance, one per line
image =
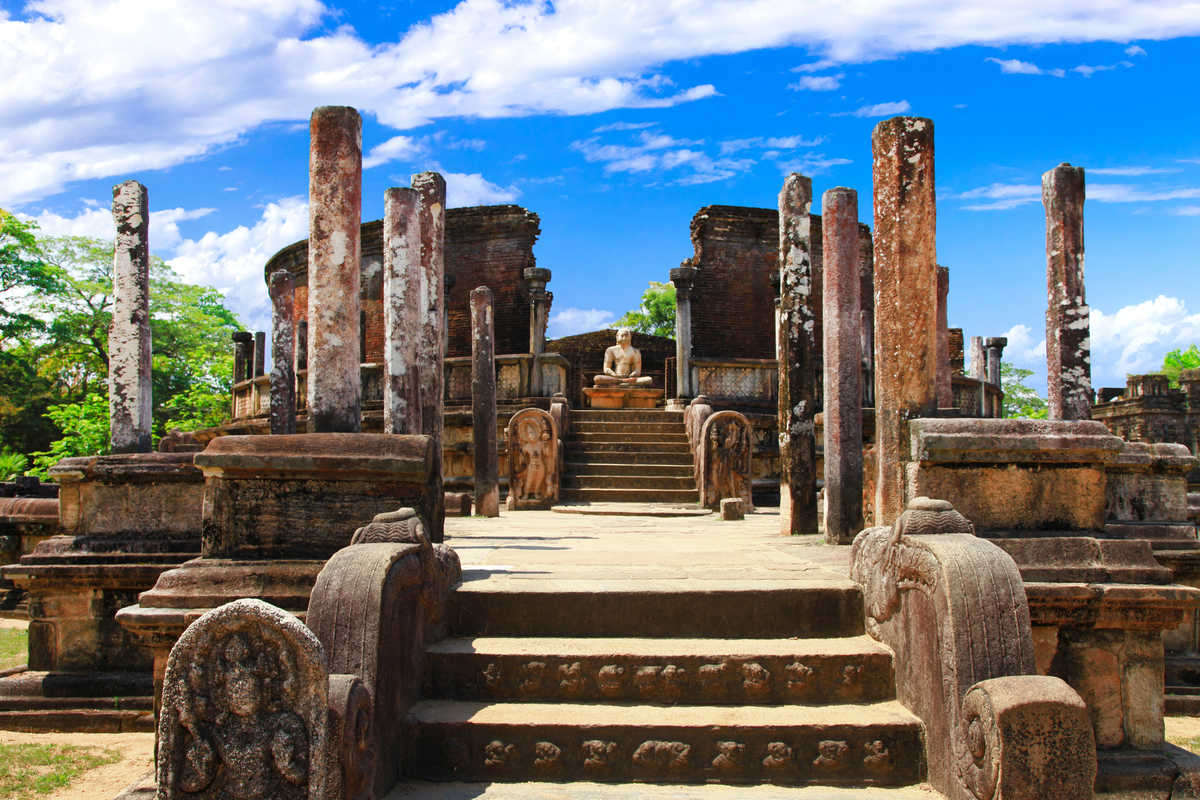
(14, 647)
(32, 770)
(1187, 743)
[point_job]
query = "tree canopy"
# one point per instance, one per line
(656, 314)
(1176, 361)
(1020, 400)
(57, 295)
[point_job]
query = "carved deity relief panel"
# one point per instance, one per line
(243, 709)
(725, 469)
(533, 477)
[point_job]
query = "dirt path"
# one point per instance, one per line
(101, 783)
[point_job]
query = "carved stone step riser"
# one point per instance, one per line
(691, 679)
(581, 469)
(626, 415)
(648, 428)
(633, 437)
(801, 612)
(627, 482)
(659, 454)
(882, 755)
(683, 496)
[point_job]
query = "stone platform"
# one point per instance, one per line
(622, 397)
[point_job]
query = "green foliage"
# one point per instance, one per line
(23, 270)
(29, 770)
(84, 427)
(656, 314)
(1019, 399)
(1178, 360)
(11, 465)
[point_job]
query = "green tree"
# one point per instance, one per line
(84, 427)
(23, 272)
(1178, 360)
(1019, 399)
(656, 314)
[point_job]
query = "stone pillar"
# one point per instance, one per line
(979, 371)
(335, 216)
(995, 349)
(945, 394)
(683, 277)
(260, 353)
(282, 287)
(843, 366)
(129, 331)
(243, 359)
(905, 298)
(483, 403)
(536, 278)
(429, 344)
(1068, 330)
(447, 285)
(401, 309)
(866, 297)
(797, 361)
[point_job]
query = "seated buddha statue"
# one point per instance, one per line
(622, 364)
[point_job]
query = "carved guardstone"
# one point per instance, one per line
(533, 478)
(726, 440)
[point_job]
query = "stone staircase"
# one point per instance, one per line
(628, 455)
(717, 681)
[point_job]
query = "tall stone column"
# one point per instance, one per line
(995, 350)
(683, 277)
(401, 309)
(483, 403)
(843, 366)
(430, 343)
(905, 298)
(129, 331)
(243, 358)
(979, 371)
(335, 216)
(1068, 327)
(260, 353)
(536, 278)
(797, 360)
(866, 275)
(282, 288)
(945, 391)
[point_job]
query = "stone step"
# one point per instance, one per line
(720, 608)
(628, 453)
(577, 481)
(595, 437)
(626, 415)
(672, 426)
(682, 470)
(661, 670)
(590, 790)
(36, 703)
(573, 495)
(78, 720)
(878, 743)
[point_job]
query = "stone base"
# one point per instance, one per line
(622, 397)
(84, 702)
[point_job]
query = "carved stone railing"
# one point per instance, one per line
(742, 381)
(953, 608)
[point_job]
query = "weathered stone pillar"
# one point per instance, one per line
(905, 298)
(683, 277)
(978, 359)
(797, 360)
(945, 394)
(260, 354)
(448, 282)
(129, 331)
(483, 403)
(282, 287)
(401, 309)
(866, 298)
(430, 343)
(843, 366)
(536, 278)
(1068, 329)
(335, 216)
(995, 350)
(243, 359)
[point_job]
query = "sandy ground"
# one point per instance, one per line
(101, 783)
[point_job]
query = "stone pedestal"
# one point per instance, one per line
(619, 397)
(275, 508)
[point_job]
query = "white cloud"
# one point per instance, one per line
(1014, 66)
(1187, 211)
(658, 151)
(816, 66)
(1123, 193)
(100, 88)
(1134, 50)
(1023, 348)
(475, 190)
(1088, 70)
(1010, 195)
(817, 83)
(97, 223)
(397, 148)
(233, 261)
(768, 142)
(813, 164)
(877, 110)
(623, 126)
(1130, 171)
(1002, 196)
(570, 321)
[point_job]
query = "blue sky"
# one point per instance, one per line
(616, 121)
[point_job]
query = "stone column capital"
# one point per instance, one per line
(683, 277)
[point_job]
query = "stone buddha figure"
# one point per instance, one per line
(622, 364)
